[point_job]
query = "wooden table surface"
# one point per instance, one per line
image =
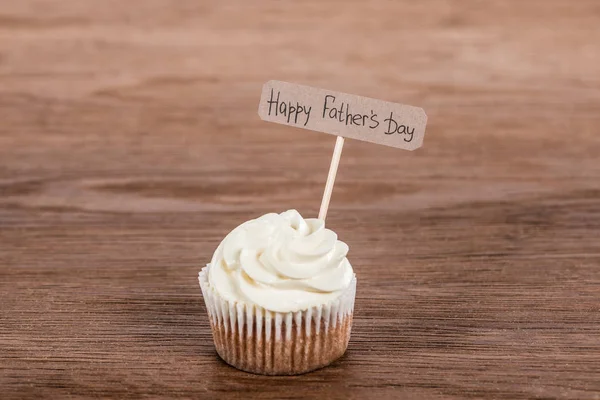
(130, 145)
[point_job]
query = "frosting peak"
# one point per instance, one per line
(281, 262)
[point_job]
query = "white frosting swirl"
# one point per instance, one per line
(281, 262)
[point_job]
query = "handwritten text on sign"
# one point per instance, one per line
(342, 114)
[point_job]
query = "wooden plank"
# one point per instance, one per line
(130, 145)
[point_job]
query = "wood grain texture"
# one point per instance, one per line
(130, 145)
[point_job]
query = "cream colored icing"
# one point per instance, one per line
(281, 262)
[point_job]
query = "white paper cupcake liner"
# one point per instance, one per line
(253, 339)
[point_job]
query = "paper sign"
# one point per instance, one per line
(343, 114)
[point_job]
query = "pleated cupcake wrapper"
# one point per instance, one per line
(254, 339)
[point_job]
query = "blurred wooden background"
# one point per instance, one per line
(130, 145)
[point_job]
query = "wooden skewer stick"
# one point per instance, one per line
(335, 161)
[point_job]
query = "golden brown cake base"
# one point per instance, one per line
(256, 340)
(297, 354)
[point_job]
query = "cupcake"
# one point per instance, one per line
(279, 292)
